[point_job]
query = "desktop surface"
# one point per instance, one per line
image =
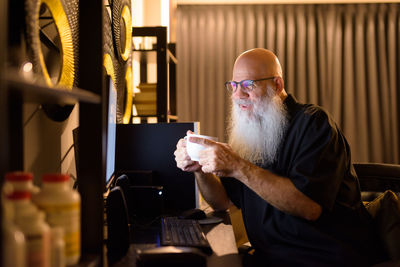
(220, 236)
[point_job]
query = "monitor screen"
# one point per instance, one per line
(108, 138)
(111, 129)
(145, 153)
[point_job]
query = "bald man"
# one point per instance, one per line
(287, 167)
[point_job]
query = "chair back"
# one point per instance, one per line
(378, 177)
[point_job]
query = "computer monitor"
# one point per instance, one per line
(111, 129)
(145, 152)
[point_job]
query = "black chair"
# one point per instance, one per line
(376, 178)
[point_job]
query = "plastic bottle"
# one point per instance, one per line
(62, 207)
(37, 235)
(21, 181)
(36, 231)
(57, 250)
(22, 204)
(14, 246)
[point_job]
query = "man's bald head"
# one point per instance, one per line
(256, 63)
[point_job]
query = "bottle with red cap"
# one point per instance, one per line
(37, 234)
(13, 240)
(31, 222)
(21, 181)
(62, 207)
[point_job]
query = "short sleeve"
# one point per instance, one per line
(321, 158)
(234, 190)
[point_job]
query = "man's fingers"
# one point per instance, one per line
(181, 156)
(201, 141)
(181, 143)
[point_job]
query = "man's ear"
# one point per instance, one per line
(279, 84)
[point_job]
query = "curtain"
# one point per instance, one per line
(343, 57)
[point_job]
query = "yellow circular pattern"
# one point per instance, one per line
(129, 95)
(108, 64)
(60, 18)
(126, 16)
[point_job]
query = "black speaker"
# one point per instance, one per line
(118, 232)
(123, 182)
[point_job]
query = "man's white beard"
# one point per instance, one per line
(256, 137)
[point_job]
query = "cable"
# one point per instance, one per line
(66, 154)
(39, 107)
(64, 157)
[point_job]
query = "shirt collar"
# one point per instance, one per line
(292, 106)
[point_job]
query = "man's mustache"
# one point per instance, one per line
(244, 102)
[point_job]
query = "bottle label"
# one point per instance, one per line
(68, 217)
(38, 250)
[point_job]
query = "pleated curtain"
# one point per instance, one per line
(343, 57)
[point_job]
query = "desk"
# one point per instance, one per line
(223, 243)
(221, 239)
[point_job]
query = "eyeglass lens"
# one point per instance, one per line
(246, 85)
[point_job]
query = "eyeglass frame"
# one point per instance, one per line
(242, 88)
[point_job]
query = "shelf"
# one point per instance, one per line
(149, 87)
(149, 56)
(150, 51)
(173, 117)
(144, 50)
(169, 53)
(33, 91)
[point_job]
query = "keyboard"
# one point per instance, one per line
(184, 233)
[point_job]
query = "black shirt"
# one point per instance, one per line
(315, 156)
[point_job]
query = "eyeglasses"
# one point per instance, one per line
(246, 85)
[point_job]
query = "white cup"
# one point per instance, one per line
(193, 149)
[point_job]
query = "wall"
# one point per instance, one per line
(47, 143)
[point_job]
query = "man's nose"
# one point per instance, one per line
(240, 93)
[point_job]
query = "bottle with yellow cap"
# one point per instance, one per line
(62, 207)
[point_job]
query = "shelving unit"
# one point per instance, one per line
(172, 62)
(3, 108)
(92, 129)
(156, 98)
(15, 90)
(32, 91)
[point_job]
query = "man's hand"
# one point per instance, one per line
(182, 158)
(218, 158)
(210, 185)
